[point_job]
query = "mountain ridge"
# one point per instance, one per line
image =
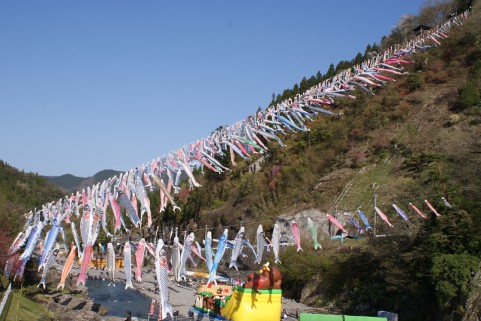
(72, 183)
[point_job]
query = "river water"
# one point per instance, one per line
(119, 300)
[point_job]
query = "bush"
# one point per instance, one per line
(359, 158)
(468, 96)
(357, 134)
(380, 141)
(451, 274)
(454, 119)
(439, 77)
(415, 81)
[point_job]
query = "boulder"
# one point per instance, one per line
(43, 299)
(325, 229)
(76, 303)
(89, 305)
(81, 315)
(390, 316)
(56, 307)
(103, 310)
(100, 309)
(63, 299)
(53, 278)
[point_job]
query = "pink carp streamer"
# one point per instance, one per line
(383, 216)
(417, 210)
(335, 222)
(85, 264)
(197, 253)
(432, 208)
(139, 259)
(297, 235)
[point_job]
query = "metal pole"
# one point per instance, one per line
(375, 216)
(375, 186)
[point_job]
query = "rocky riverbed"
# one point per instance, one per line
(77, 303)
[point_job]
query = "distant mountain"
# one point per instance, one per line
(105, 174)
(21, 192)
(72, 183)
(68, 182)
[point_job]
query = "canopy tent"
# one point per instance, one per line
(363, 318)
(320, 317)
(334, 317)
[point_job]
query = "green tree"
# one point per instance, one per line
(358, 59)
(303, 85)
(331, 72)
(415, 81)
(295, 89)
(468, 96)
(451, 275)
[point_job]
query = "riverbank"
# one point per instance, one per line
(92, 303)
(181, 296)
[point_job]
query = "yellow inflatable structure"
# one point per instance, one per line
(100, 263)
(247, 304)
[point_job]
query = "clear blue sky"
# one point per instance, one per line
(92, 85)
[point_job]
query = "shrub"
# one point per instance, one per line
(359, 158)
(415, 81)
(357, 133)
(437, 65)
(453, 120)
(451, 274)
(468, 96)
(380, 141)
(439, 77)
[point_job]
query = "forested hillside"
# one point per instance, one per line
(416, 139)
(20, 193)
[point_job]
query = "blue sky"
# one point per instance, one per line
(93, 85)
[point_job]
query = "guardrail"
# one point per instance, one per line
(5, 299)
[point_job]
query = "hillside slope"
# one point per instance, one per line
(20, 192)
(416, 139)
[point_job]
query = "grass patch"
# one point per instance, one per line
(22, 308)
(359, 192)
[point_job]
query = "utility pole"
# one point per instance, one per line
(156, 231)
(441, 179)
(375, 187)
